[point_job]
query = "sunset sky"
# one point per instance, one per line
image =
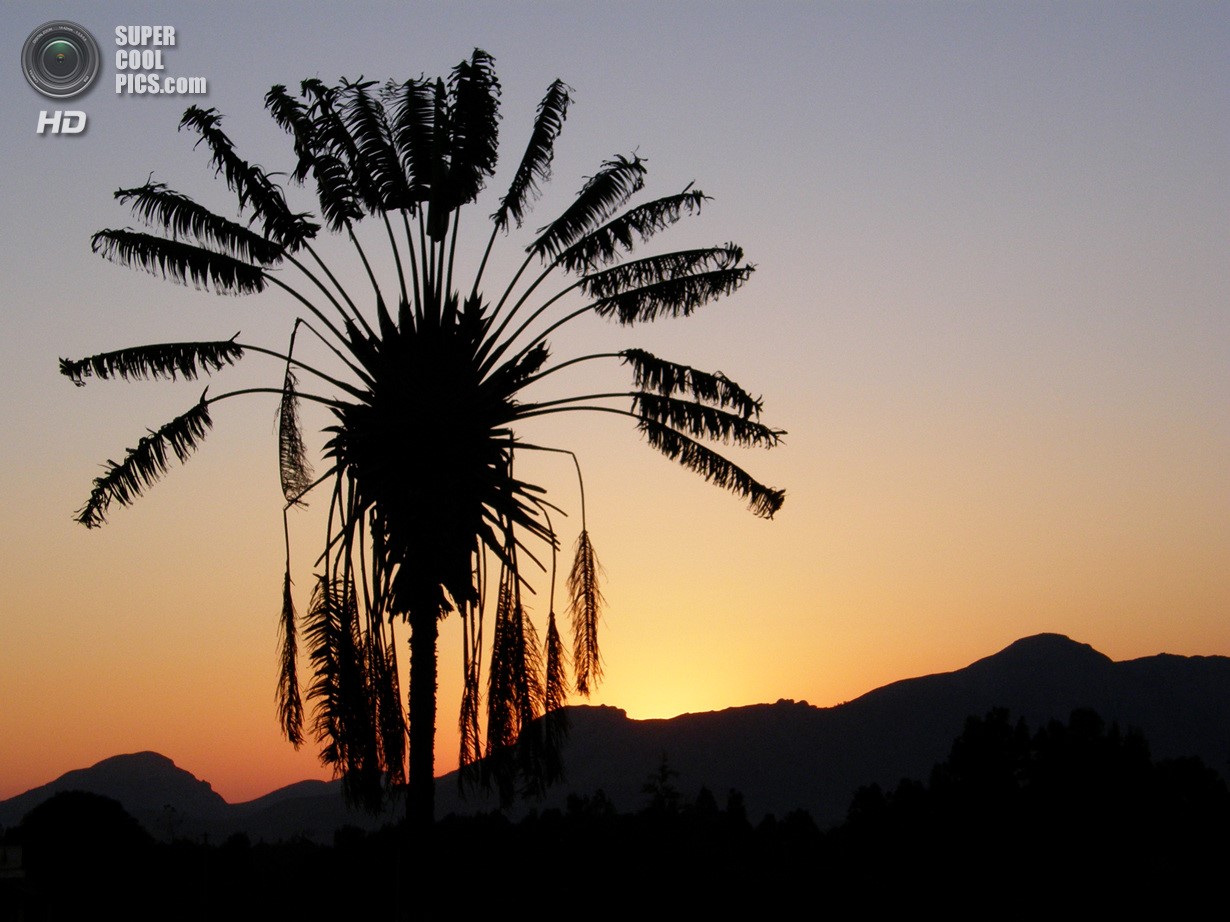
(991, 309)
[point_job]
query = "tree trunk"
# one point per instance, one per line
(421, 782)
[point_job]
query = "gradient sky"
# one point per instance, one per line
(991, 309)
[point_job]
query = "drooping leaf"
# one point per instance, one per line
(763, 501)
(390, 718)
(502, 672)
(605, 191)
(290, 705)
(164, 360)
(585, 606)
(529, 669)
(501, 691)
(556, 689)
(293, 466)
(145, 464)
(536, 162)
(180, 262)
(470, 749)
(514, 689)
(344, 715)
(555, 696)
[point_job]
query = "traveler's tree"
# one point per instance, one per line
(429, 374)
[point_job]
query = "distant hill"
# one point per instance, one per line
(164, 798)
(789, 755)
(781, 756)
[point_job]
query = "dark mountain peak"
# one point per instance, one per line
(599, 710)
(148, 784)
(138, 762)
(596, 715)
(1042, 669)
(1046, 651)
(150, 770)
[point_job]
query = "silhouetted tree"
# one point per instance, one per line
(664, 797)
(86, 854)
(1079, 808)
(427, 379)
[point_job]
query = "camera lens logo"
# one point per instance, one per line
(60, 59)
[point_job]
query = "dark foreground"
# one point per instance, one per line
(1073, 816)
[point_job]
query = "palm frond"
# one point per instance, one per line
(180, 216)
(470, 750)
(293, 466)
(704, 421)
(290, 705)
(529, 671)
(335, 190)
(670, 378)
(535, 164)
(412, 128)
(208, 124)
(439, 201)
(249, 182)
(763, 501)
(178, 261)
(555, 694)
(344, 716)
(677, 297)
(619, 235)
(514, 690)
(332, 138)
(374, 159)
(498, 764)
(145, 464)
(605, 191)
(164, 360)
(334, 187)
(291, 116)
(661, 268)
(390, 718)
(585, 605)
(474, 119)
(501, 673)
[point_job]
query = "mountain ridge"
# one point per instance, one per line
(782, 756)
